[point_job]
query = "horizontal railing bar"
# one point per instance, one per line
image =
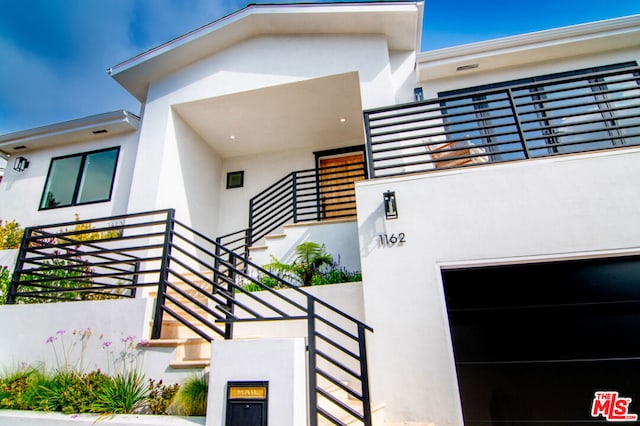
(330, 417)
(194, 314)
(339, 384)
(187, 324)
(103, 219)
(340, 404)
(338, 364)
(262, 319)
(337, 345)
(193, 300)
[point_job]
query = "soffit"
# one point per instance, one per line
(560, 43)
(82, 129)
(399, 22)
(304, 114)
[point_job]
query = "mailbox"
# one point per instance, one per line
(247, 403)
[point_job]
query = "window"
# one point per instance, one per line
(80, 179)
(235, 179)
(574, 111)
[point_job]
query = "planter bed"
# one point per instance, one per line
(27, 418)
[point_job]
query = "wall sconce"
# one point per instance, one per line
(20, 164)
(390, 205)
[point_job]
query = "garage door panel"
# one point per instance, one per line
(543, 392)
(561, 283)
(565, 333)
(533, 343)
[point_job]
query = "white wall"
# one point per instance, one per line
(25, 341)
(477, 77)
(255, 63)
(339, 237)
(20, 192)
(554, 208)
(280, 362)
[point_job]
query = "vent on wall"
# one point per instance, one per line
(97, 132)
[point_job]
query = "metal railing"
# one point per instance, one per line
(304, 196)
(201, 284)
(550, 117)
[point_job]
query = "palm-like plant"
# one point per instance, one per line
(310, 257)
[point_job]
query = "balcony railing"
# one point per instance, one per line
(550, 117)
(304, 196)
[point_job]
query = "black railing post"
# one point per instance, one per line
(364, 376)
(294, 192)
(311, 350)
(516, 118)
(251, 223)
(369, 151)
(231, 294)
(17, 269)
(163, 274)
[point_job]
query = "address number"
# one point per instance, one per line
(386, 240)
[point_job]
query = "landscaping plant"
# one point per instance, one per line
(191, 399)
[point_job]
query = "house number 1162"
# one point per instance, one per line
(386, 240)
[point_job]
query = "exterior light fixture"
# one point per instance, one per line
(390, 205)
(417, 94)
(20, 164)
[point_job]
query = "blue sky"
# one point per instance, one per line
(54, 53)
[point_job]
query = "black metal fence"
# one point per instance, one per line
(550, 117)
(208, 287)
(304, 196)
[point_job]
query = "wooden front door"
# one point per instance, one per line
(337, 175)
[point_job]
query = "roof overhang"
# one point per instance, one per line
(399, 21)
(81, 129)
(307, 114)
(549, 45)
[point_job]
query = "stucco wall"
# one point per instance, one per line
(20, 192)
(166, 176)
(25, 342)
(554, 208)
(515, 71)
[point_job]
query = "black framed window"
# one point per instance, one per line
(235, 179)
(573, 111)
(80, 179)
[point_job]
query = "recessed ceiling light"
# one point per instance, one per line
(232, 137)
(343, 120)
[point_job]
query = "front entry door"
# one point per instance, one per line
(336, 176)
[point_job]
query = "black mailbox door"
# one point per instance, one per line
(247, 413)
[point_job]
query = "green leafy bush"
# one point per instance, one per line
(336, 275)
(5, 282)
(160, 396)
(10, 235)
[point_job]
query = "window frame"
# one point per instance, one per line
(78, 179)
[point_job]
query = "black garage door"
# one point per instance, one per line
(533, 343)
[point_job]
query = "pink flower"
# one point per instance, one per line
(51, 339)
(60, 332)
(105, 345)
(144, 343)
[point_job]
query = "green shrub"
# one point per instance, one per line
(70, 392)
(17, 389)
(336, 275)
(191, 399)
(10, 235)
(5, 283)
(160, 396)
(123, 394)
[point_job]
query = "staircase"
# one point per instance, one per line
(195, 281)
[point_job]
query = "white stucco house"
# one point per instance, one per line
(487, 192)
